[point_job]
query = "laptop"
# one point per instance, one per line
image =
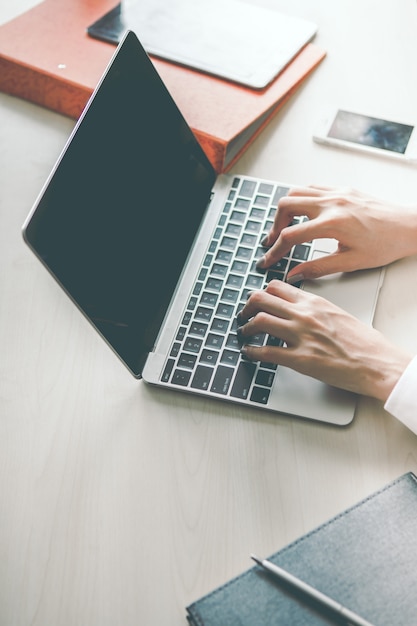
(211, 35)
(159, 253)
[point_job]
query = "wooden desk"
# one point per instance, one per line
(119, 503)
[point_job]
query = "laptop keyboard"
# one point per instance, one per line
(206, 354)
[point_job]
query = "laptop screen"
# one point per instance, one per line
(116, 220)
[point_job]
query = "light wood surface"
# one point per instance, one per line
(119, 503)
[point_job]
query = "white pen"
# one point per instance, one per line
(310, 592)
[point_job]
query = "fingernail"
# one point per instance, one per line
(297, 278)
(261, 263)
(245, 354)
(264, 241)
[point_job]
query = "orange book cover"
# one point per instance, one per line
(47, 57)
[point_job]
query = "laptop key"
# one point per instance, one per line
(279, 193)
(253, 227)
(265, 378)
(238, 216)
(198, 328)
(234, 281)
(266, 188)
(175, 349)
(240, 267)
(193, 345)
(248, 239)
(187, 318)
(181, 377)
(269, 366)
(242, 383)
(222, 380)
(187, 361)
(225, 310)
(192, 303)
(274, 276)
(219, 270)
(248, 188)
(244, 253)
(301, 252)
(233, 229)
(203, 313)
(209, 356)
(224, 255)
(202, 377)
(262, 201)
(215, 284)
(214, 341)
(182, 331)
(258, 213)
(233, 341)
(260, 395)
(167, 370)
(241, 203)
(274, 341)
(229, 243)
(209, 298)
(231, 357)
(230, 295)
(254, 282)
(219, 325)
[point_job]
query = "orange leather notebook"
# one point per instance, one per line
(47, 57)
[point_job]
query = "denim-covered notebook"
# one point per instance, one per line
(365, 558)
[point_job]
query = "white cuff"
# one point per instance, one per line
(402, 402)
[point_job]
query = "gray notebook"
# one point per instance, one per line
(365, 558)
(235, 40)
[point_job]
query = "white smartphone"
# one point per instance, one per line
(346, 129)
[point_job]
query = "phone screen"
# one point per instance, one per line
(371, 131)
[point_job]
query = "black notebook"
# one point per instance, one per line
(365, 558)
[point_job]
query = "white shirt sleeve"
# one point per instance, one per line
(402, 402)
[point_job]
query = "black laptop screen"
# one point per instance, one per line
(117, 218)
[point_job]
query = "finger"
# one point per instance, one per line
(324, 266)
(274, 300)
(293, 235)
(266, 354)
(286, 292)
(262, 302)
(265, 323)
(323, 188)
(288, 209)
(310, 190)
(339, 261)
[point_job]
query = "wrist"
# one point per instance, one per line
(410, 233)
(381, 381)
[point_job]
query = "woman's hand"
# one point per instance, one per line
(370, 232)
(322, 341)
